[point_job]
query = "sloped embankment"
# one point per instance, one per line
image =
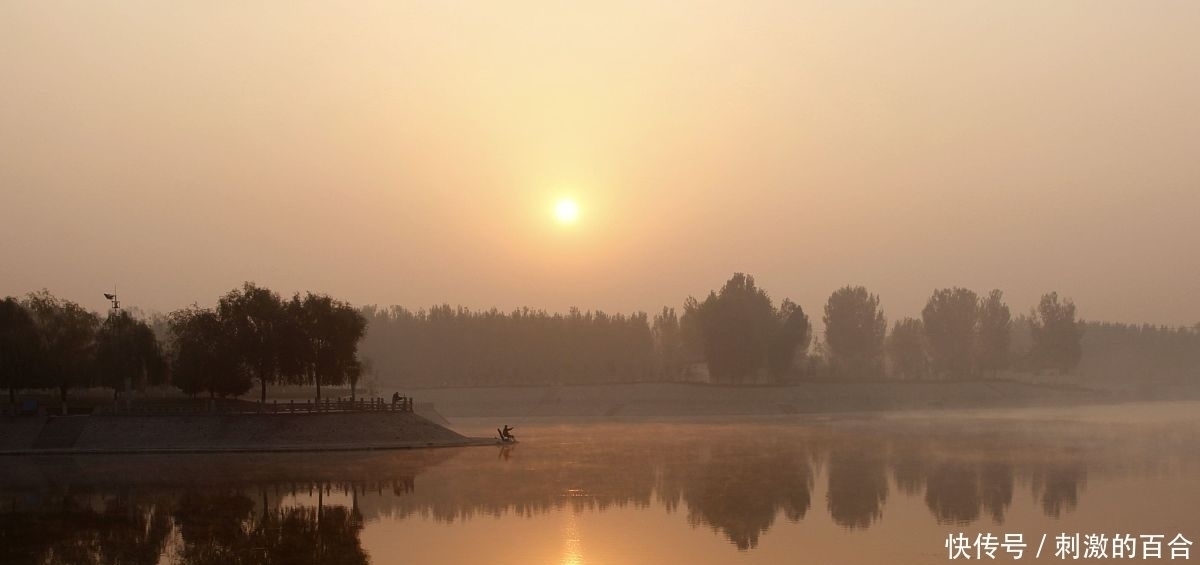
(230, 432)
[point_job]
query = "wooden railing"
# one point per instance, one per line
(310, 406)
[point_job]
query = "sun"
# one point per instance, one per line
(566, 211)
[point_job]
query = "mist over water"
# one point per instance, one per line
(846, 489)
(766, 282)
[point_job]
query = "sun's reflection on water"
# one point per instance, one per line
(572, 544)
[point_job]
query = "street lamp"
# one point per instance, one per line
(116, 306)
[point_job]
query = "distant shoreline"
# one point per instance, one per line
(650, 399)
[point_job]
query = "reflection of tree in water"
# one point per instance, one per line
(85, 531)
(213, 528)
(910, 465)
(733, 480)
(303, 535)
(1056, 487)
(958, 492)
(226, 528)
(973, 474)
(858, 486)
(952, 493)
(740, 490)
(996, 489)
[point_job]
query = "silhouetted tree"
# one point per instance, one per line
(995, 333)
(254, 316)
(736, 325)
(20, 347)
(1056, 334)
(668, 344)
(908, 350)
(792, 337)
(128, 354)
(204, 357)
(68, 334)
(854, 332)
(328, 334)
(689, 331)
(950, 317)
(742, 333)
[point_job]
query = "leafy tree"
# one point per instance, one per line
(908, 350)
(1056, 334)
(995, 333)
(737, 326)
(668, 344)
(950, 317)
(690, 335)
(68, 334)
(128, 354)
(792, 338)
(854, 332)
(326, 337)
(204, 357)
(254, 317)
(20, 347)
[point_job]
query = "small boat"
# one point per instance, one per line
(505, 437)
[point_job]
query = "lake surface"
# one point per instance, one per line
(824, 489)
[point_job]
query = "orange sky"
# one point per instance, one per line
(412, 153)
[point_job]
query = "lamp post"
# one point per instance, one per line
(115, 310)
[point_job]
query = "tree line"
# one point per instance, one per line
(447, 346)
(738, 333)
(1142, 353)
(252, 336)
(741, 336)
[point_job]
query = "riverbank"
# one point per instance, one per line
(208, 433)
(650, 400)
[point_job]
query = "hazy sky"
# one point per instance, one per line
(412, 152)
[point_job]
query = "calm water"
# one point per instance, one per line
(814, 489)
